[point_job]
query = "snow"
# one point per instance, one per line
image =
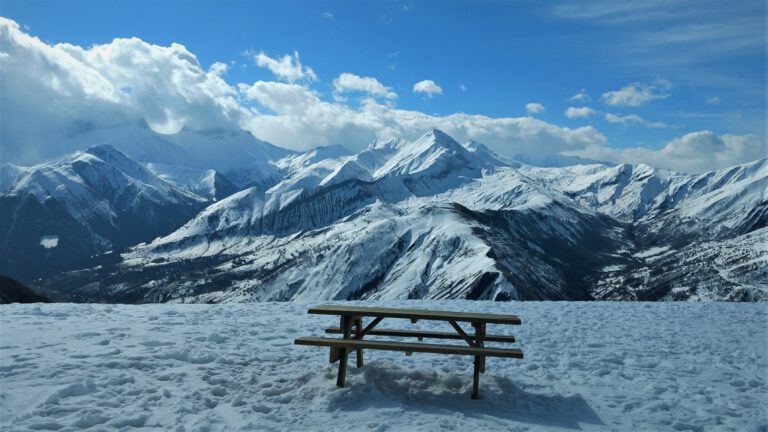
(588, 366)
(49, 241)
(653, 251)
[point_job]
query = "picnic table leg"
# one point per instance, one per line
(346, 327)
(358, 331)
(479, 360)
(480, 341)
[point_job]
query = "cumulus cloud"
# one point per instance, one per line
(714, 100)
(286, 68)
(581, 96)
(428, 87)
(347, 82)
(53, 91)
(635, 119)
(301, 119)
(579, 112)
(637, 94)
(534, 108)
(52, 95)
(694, 152)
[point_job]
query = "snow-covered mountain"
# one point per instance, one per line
(433, 218)
(58, 215)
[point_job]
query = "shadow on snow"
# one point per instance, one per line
(382, 384)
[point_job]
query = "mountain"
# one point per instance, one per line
(669, 206)
(235, 154)
(57, 215)
(433, 218)
(13, 291)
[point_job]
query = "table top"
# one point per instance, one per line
(422, 314)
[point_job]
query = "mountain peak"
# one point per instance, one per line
(106, 153)
(441, 139)
(389, 143)
(438, 135)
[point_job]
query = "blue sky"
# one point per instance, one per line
(701, 64)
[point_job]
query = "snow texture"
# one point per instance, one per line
(588, 366)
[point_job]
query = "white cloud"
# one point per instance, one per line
(286, 68)
(52, 91)
(327, 15)
(693, 152)
(636, 119)
(462, 87)
(218, 69)
(581, 96)
(427, 87)
(347, 82)
(300, 119)
(534, 108)
(714, 100)
(637, 94)
(579, 112)
(46, 89)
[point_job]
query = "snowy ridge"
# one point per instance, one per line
(90, 203)
(429, 218)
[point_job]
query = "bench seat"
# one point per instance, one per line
(423, 334)
(408, 347)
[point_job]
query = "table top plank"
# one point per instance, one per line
(421, 314)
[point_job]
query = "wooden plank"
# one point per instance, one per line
(406, 346)
(415, 314)
(423, 334)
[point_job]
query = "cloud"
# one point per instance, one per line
(694, 152)
(50, 95)
(427, 87)
(534, 108)
(46, 89)
(327, 15)
(581, 96)
(637, 94)
(300, 119)
(580, 112)
(636, 119)
(714, 100)
(347, 82)
(218, 69)
(287, 68)
(462, 87)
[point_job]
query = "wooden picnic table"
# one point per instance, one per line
(352, 331)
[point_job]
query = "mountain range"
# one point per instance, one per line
(217, 216)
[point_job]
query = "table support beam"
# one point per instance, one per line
(462, 333)
(479, 360)
(346, 326)
(359, 335)
(369, 327)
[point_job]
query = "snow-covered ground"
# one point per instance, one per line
(588, 366)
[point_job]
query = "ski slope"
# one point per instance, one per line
(589, 366)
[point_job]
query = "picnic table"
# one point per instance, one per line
(353, 333)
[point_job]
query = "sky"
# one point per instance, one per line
(678, 84)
